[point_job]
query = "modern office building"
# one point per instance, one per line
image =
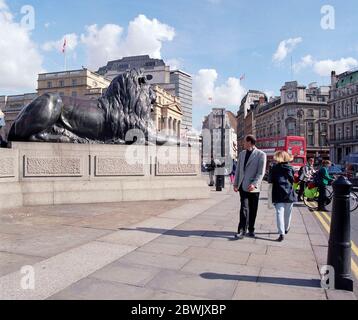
(176, 82)
(344, 115)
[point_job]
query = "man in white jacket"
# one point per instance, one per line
(250, 172)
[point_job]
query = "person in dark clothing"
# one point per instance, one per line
(281, 176)
(324, 179)
(211, 170)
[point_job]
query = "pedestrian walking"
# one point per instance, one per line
(305, 175)
(324, 179)
(281, 176)
(250, 172)
(211, 170)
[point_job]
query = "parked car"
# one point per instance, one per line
(352, 168)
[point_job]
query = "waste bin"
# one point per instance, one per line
(220, 182)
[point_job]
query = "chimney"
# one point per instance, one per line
(333, 79)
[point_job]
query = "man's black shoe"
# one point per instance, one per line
(251, 235)
(281, 238)
(287, 231)
(240, 235)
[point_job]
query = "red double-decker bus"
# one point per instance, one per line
(295, 146)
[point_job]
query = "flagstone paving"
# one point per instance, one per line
(160, 250)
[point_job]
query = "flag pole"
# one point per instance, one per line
(64, 51)
(65, 60)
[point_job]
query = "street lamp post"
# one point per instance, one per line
(223, 134)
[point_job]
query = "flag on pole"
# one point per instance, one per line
(243, 77)
(64, 46)
(210, 99)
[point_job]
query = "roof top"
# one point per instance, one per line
(347, 78)
(133, 62)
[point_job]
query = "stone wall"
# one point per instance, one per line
(47, 174)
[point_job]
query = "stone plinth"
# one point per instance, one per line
(50, 173)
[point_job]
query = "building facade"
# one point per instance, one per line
(167, 114)
(176, 82)
(2, 126)
(299, 111)
(344, 115)
(220, 137)
(75, 83)
(11, 107)
(246, 116)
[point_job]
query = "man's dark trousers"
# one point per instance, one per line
(248, 211)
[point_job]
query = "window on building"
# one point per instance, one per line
(62, 83)
(310, 113)
(291, 128)
(291, 112)
(324, 113)
(310, 140)
(74, 94)
(339, 134)
(74, 82)
(324, 127)
(310, 126)
(347, 133)
(356, 131)
(49, 84)
(61, 94)
(323, 141)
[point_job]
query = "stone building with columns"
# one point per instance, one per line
(167, 113)
(343, 123)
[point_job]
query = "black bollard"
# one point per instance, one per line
(339, 249)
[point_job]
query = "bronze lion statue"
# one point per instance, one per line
(125, 106)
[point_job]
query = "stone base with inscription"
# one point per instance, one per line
(50, 174)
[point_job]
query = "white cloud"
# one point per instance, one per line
(228, 94)
(325, 67)
(285, 47)
(71, 43)
(144, 36)
(20, 60)
(305, 62)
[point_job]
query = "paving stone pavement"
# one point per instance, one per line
(177, 250)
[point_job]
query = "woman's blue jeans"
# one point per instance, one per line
(284, 214)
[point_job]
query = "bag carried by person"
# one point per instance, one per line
(317, 178)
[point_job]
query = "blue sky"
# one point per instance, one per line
(221, 38)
